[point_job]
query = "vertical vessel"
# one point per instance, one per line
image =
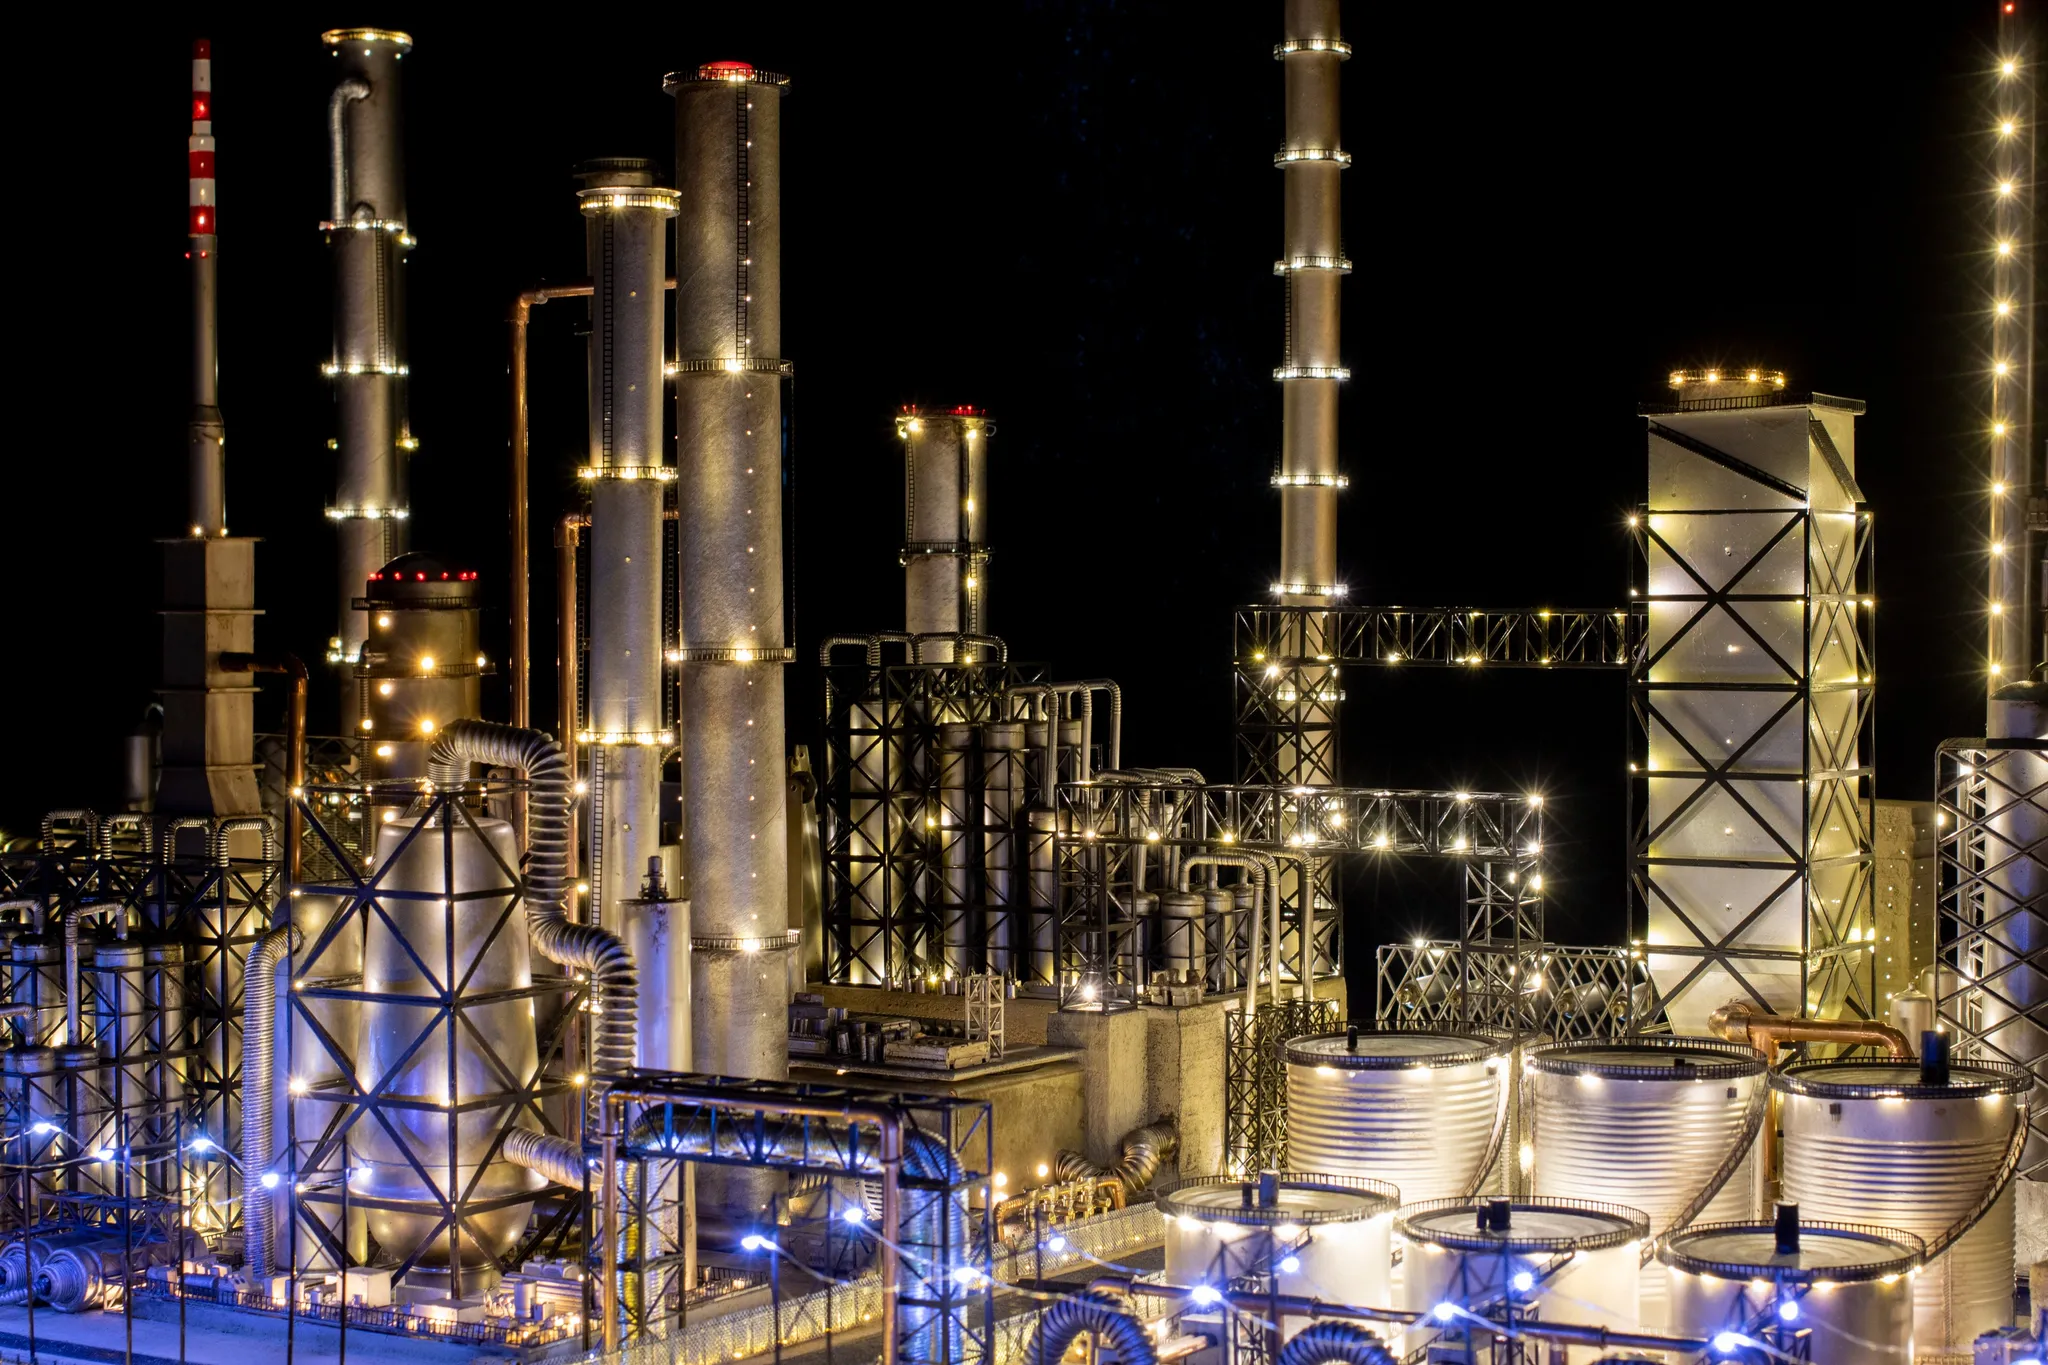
(366, 231)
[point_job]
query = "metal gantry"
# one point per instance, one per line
(1993, 948)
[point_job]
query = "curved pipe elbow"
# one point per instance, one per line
(588, 947)
(1739, 1022)
(1091, 1310)
(344, 95)
(1335, 1343)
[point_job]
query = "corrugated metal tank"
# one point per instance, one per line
(1850, 1287)
(1417, 1110)
(1568, 1260)
(1335, 1232)
(1873, 1141)
(1648, 1122)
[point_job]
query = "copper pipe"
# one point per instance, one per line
(294, 742)
(568, 534)
(1739, 1022)
(517, 317)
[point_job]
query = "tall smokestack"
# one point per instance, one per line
(626, 217)
(208, 746)
(945, 520)
(1313, 266)
(366, 227)
(729, 436)
(205, 434)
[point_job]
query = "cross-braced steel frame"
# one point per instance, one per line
(185, 880)
(905, 865)
(1551, 989)
(1751, 721)
(1114, 833)
(1255, 1079)
(448, 1083)
(944, 1300)
(1992, 981)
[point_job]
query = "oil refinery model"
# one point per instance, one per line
(968, 1040)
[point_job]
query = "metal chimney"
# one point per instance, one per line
(626, 216)
(729, 437)
(365, 226)
(1313, 267)
(945, 520)
(209, 602)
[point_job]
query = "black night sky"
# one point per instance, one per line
(1067, 213)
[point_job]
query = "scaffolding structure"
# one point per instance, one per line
(1993, 813)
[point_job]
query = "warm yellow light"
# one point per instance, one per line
(1043, 1170)
(2004, 308)
(1000, 1180)
(2008, 68)
(297, 1086)
(1998, 608)
(426, 663)
(973, 582)
(2005, 187)
(2005, 248)
(1995, 670)
(426, 726)
(1713, 376)
(2008, 128)
(1751, 376)
(1997, 490)
(368, 724)
(1998, 547)
(384, 751)
(384, 623)
(2001, 368)
(1998, 428)
(384, 689)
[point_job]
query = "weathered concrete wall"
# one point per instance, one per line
(1184, 1079)
(1113, 1060)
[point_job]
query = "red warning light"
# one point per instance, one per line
(202, 222)
(202, 49)
(419, 578)
(202, 108)
(724, 71)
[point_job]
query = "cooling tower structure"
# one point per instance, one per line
(1751, 788)
(945, 524)
(366, 229)
(729, 439)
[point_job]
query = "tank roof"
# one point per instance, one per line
(1887, 1079)
(1395, 1050)
(1841, 1252)
(1533, 1225)
(1657, 1057)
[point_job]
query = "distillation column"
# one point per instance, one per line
(1313, 266)
(945, 521)
(2012, 1007)
(626, 218)
(365, 227)
(729, 470)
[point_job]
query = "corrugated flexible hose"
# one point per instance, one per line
(1104, 1314)
(561, 940)
(1335, 1343)
(1143, 1151)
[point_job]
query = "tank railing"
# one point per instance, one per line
(1752, 1124)
(1321, 1310)
(2008, 1168)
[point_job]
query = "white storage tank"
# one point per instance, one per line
(1847, 1287)
(1649, 1122)
(1327, 1237)
(1915, 1146)
(1565, 1260)
(1422, 1111)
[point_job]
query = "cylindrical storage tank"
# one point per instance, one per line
(1903, 1145)
(1327, 1237)
(446, 929)
(1418, 1110)
(1648, 1122)
(1183, 944)
(1566, 1260)
(1850, 1287)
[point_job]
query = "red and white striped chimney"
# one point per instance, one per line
(204, 433)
